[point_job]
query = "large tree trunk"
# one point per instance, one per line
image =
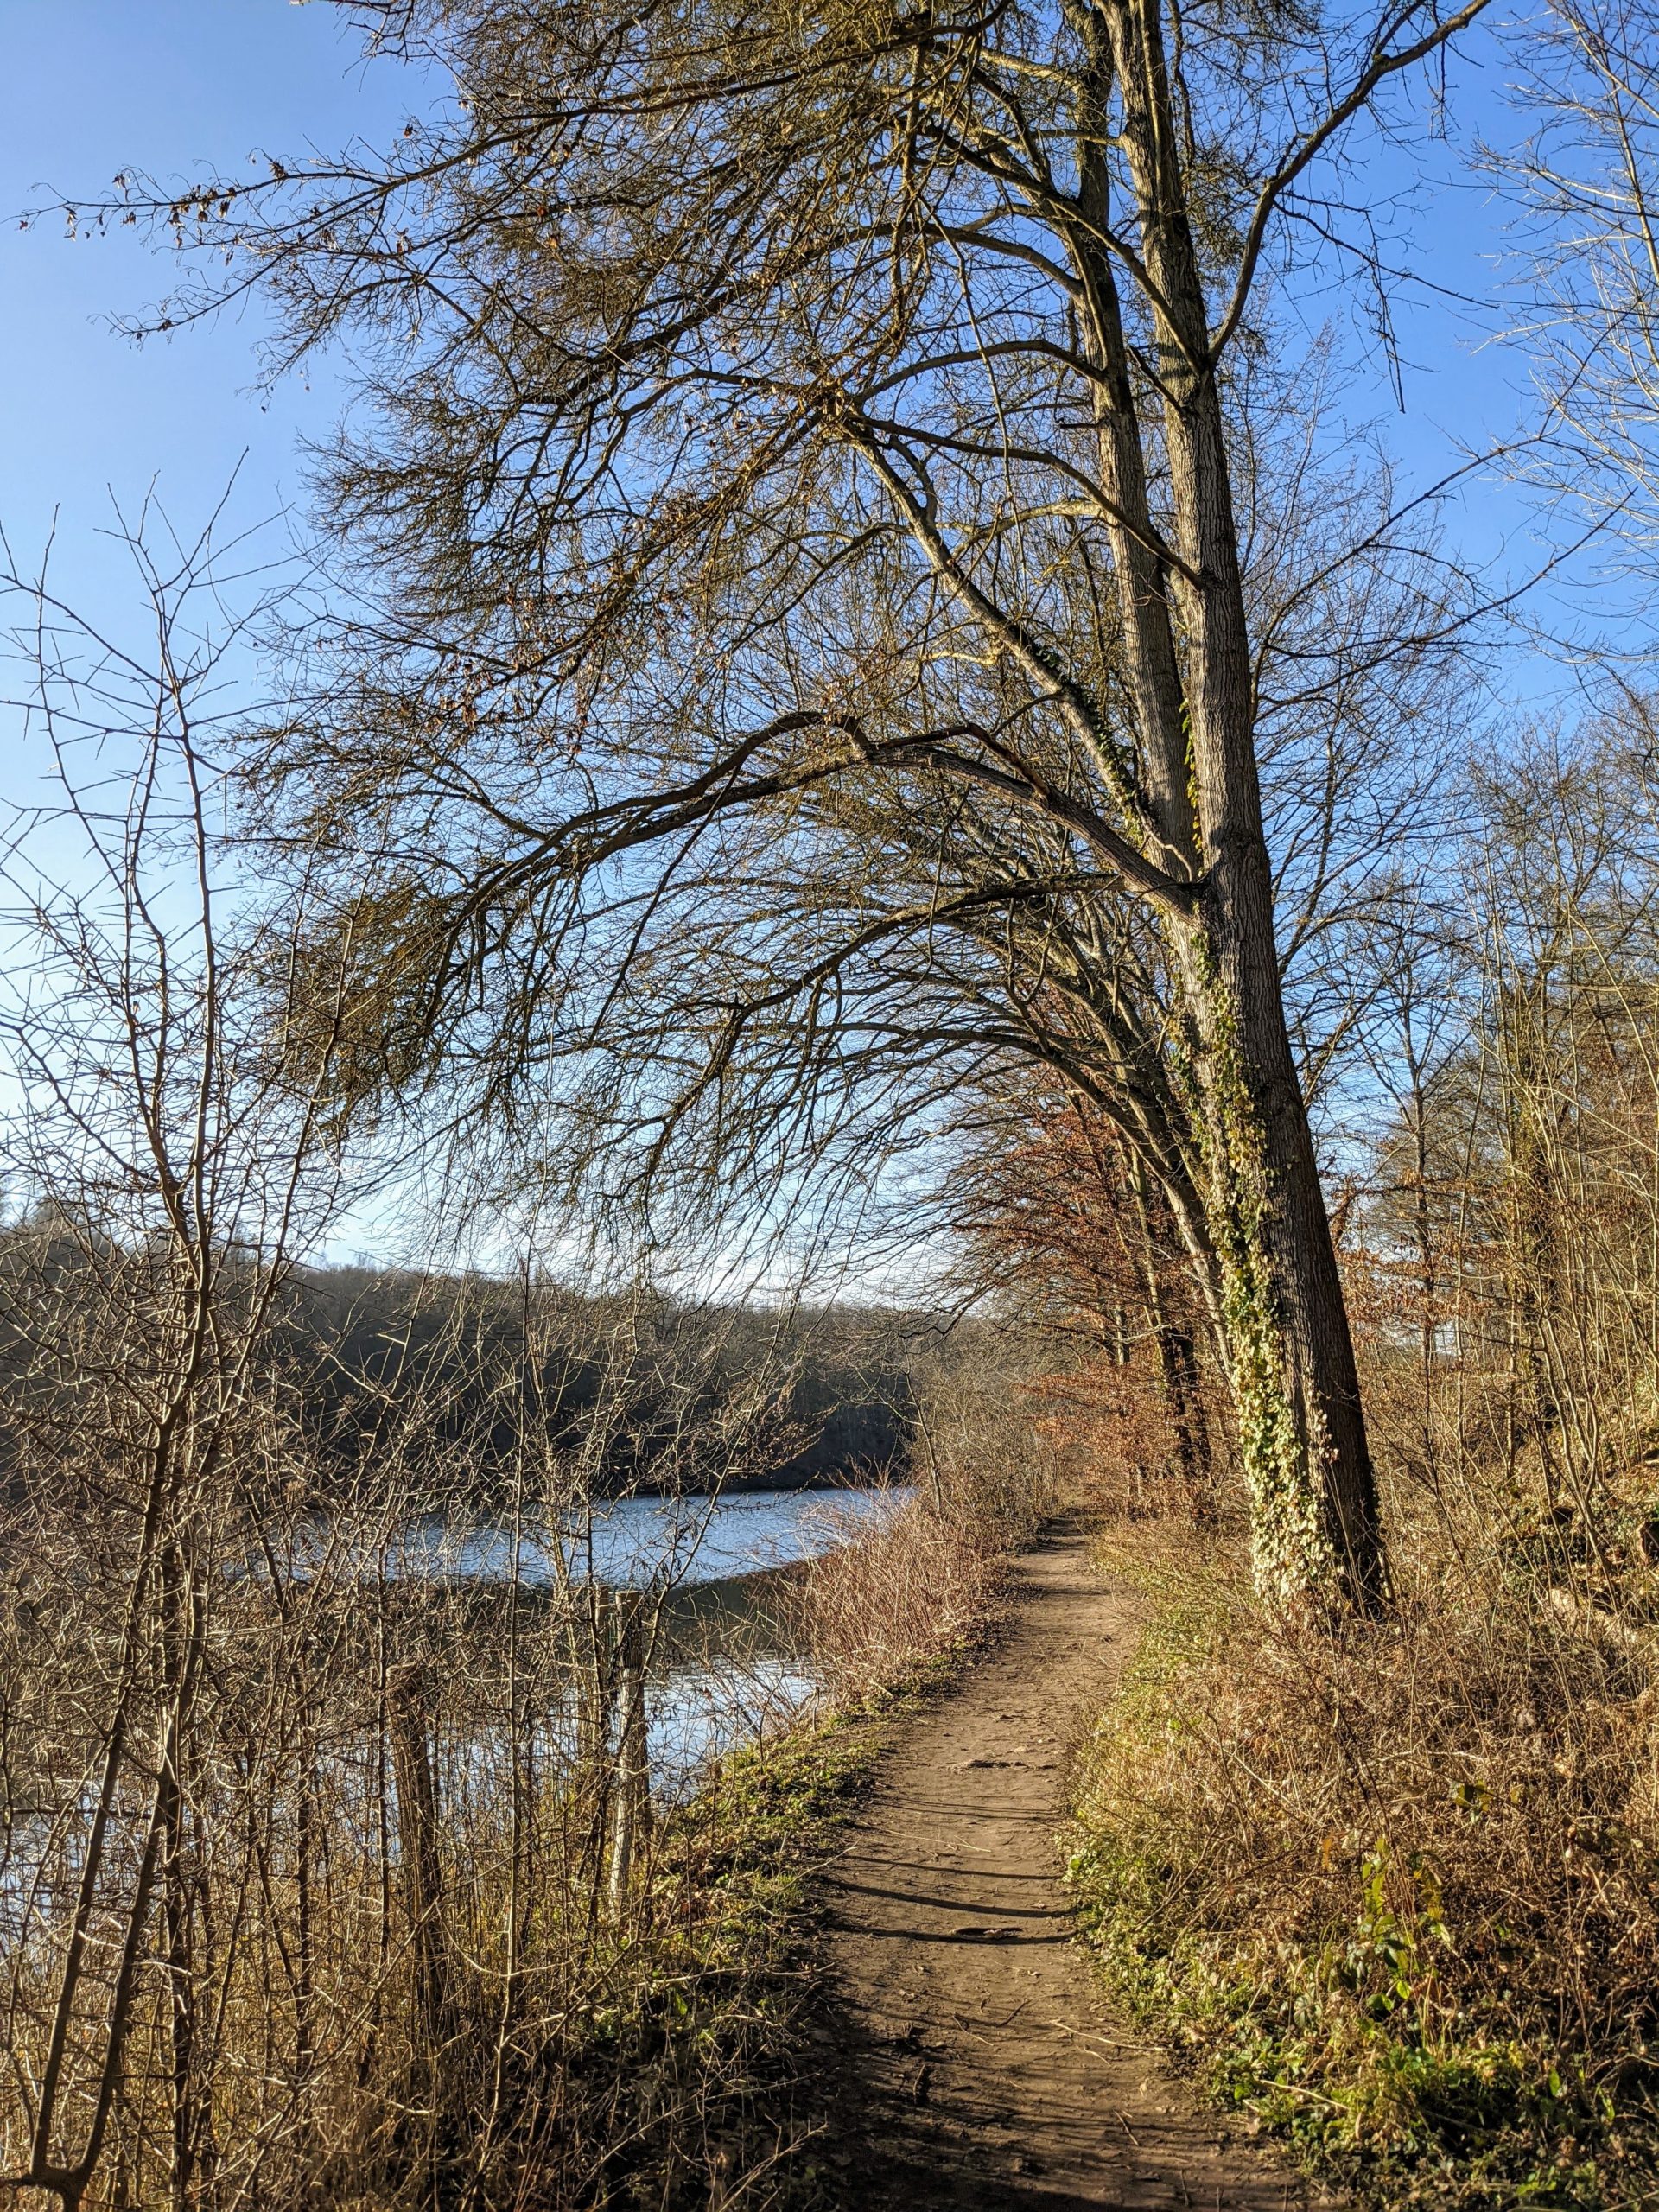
(1302, 1424)
(1315, 1522)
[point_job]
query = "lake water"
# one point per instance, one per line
(645, 1542)
(739, 1686)
(723, 1676)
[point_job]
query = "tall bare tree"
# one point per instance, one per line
(792, 428)
(1588, 178)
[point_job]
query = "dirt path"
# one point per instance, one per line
(979, 2067)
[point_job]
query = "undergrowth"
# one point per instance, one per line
(704, 2085)
(696, 2082)
(1393, 1891)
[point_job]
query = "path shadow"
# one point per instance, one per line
(890, 2184)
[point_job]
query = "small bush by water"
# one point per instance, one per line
(872, 1611)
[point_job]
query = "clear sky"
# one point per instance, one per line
(88, 87)
(91, 86)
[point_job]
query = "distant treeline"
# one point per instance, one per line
(643, 1390)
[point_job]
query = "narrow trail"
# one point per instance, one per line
(978, 2066)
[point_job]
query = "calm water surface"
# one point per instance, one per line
(730, 1696)
(697, 1708)
(645, 1543)
(735, 1690)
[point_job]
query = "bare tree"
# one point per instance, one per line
(778, 424)
(1588, 183)
(301, 1882)
(1061, 1226)
(164, 1145)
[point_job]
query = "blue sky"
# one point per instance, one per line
(91, 86)
(88, 87)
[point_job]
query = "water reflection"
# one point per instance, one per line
(725, 1673)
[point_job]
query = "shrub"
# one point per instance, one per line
(1395, 1888)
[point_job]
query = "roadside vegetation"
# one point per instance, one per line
(330, 1863)
(394, 1918)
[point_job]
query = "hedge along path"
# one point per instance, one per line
(979, 2066)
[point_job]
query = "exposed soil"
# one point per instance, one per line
(978, 2064)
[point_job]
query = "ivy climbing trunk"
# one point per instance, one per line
(792, 502)
(1315, 1528)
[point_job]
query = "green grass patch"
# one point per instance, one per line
(704, 2080)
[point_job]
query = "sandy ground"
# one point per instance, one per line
(977, 2064)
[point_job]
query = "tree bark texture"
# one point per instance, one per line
(630, 1798)
(1290, 1352)
(417, 1823)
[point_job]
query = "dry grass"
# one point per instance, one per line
(1397, 1889)
(872, 1613)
